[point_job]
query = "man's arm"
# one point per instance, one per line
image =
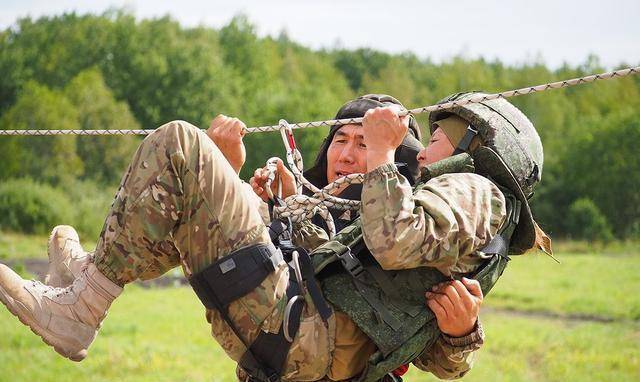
(441, 225)
(451, 357)
(456, 305)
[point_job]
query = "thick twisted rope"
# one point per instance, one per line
(300, 207)
(425, 109)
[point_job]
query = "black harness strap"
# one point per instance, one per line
(265, 358)
(231, 278)
(466, 140)
(239, 273)
(313, 286)
(235, 275)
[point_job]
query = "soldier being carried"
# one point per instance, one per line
(181, 202)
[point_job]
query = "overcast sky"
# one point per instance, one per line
(515, 31)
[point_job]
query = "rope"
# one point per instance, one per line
(425, 109)
(300, 207)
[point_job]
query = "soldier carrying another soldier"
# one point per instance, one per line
(182, 202)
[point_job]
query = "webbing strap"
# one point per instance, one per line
(313, 286)
(235, 275)
(231, 278)
(264, 360)
(463, 146)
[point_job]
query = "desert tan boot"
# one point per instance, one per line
(66, 318)
(66, 256)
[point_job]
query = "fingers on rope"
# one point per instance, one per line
(298, 207)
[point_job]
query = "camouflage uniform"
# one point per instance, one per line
(180, 202)
(441, 224)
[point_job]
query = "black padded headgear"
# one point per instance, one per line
(405, 153)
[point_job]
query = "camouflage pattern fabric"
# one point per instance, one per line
(180, 202)
(451, 357)
(440, 225)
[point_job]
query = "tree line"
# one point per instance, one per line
(111, 71)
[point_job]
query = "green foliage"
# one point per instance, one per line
(52, 159)
(586, 222)
(105, 158)
(604, 166)
(113, 71)
(91, 203)
(32, 207)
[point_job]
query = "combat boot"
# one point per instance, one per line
(66, 318)
(66, 257)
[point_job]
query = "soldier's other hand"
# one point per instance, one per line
(227, 133)
(259, 179)
(383, 132)
(456, 305)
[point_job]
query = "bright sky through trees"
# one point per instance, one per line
(515, 32)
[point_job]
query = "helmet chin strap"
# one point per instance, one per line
(463, 146)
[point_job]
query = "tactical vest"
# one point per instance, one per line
(389, 306)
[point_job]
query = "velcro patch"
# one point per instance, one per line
(227, 266)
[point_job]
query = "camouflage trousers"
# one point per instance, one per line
(181, 203)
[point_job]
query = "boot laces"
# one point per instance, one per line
(55, 292)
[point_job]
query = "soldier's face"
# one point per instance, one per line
(347, 153)
(439, 147)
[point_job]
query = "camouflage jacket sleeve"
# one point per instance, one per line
(258, 203)
(441, 224)
(451, 357)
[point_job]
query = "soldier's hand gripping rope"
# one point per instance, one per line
(298, 207)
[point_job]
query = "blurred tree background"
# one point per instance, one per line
(114, 72)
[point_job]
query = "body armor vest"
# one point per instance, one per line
(389, 306)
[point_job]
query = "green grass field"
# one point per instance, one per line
(579, 320)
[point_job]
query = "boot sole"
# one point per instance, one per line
(43, 333)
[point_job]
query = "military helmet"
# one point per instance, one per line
(511, 153)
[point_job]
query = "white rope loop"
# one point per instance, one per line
(332, 122)
(294, 159)
(299, 207)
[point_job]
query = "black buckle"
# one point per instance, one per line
(351, 264)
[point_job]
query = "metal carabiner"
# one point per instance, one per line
(298, 271)
(294, 157)
(287, 315)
